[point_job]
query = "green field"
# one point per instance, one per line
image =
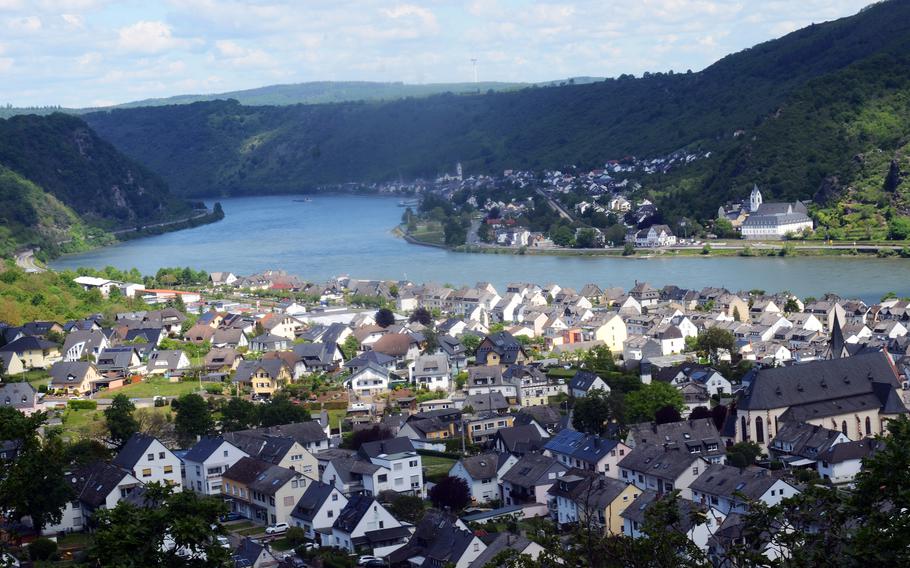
(152, 387)
(436, 466)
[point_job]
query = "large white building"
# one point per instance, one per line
(774, 220)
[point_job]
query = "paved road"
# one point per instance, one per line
(26, 261)
(165, 224)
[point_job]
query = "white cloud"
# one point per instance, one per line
(149, 36)
(73, 20)
(27, 24)
(6, 63)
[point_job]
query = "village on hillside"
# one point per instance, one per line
(426, 425)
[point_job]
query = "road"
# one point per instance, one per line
(26, 261)
(555, 206)
(164, 224)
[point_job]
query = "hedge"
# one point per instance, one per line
(82, 404)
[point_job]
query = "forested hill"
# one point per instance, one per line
(58, 179)
(224, 147)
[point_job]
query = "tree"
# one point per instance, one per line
(350, 347)
(712, 340)
(592, 413)
(172, 529)
(585, 238)
(699, 412)
(628, 249)
(643, 404)
(84, 452)
(792, 306)
(120, 420)
(280, 410)
(667, 415)
(743, 454)
(450, 493)
(238, 414)
(193, 417)
(35, 483)
(562, 236)
(599, 358)
(422, 316)
(471, 342)
(361, 437)
(408, 508)
(384, 317)
(431, 341)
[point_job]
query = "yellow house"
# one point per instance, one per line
(483, 428)
(35, 353)
(74, 377)
(263, 377)
(612, 332)
(582, 495)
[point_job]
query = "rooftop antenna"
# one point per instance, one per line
(474, 66)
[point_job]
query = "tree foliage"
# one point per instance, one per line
(642, 405)
(450, 493)
(120, 420)
(193, 417)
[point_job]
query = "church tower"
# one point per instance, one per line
(755, 200)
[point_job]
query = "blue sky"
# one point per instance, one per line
(95, 52)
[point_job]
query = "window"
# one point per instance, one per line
(225, 453)
(397, 466)
(147, 472)
(150, 457)
(330, 513)
(760, 430)
(843, 427)
(413, 463)
(868, 426)
(383, 478)
(289, 501)
(168, 469)
(399, 481)
(334, 496)
(695, 471)
(160, 455)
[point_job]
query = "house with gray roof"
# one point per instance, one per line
(661, 470)
(529, 480)
(261, 491)
(361, 518)
(21, 396)
(318, 508)
(204, 463)
(84, 343)
(253, 554)
(481, 474)
(74, 377)
(588, 452)
(432, 372)
(169, 362)
(440, 539)
(699, 437)
(584, 382)
(149, 461)
(799, 444)
(121, 361)
(733, 490)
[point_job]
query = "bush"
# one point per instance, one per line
(82, 404)
(42, 549)
(214, 388)
(295, 536)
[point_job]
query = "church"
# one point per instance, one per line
(774, 220)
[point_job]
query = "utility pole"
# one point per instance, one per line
(474, 66)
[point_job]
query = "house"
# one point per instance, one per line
(584, 382)
(263, 377)
(799, 444)
(361, 518)
(309, 435)
(317, 510)
(21, 396)
(697, 437)
(655, 236)
(120, 360)
(586, 452)
(545, 418)
(440, 539)
(425, 429)
(520, 440)
(84, 343)
(11, 363)
(856, 395)
(149, 461)
(529, 480)
(168, 362)
(481, 474)
(369, 380)
(481, 428)
(95, 486)
(582, 496)
(401, 346)
(204, 463)
(200, 333)
(612, 331)
(280, 325)
(222, 278)
(222, 360)
(732, 490)
(534, 387)
(492, 402)
(352, 475)
(269, 342)
(397, 456)
(685, 373)
(500, 348)
(253, 554)
(490, 378)
(318, 357)
(74, 378)
(774, 220)
(661, 470)
(276, 448)
(367, 358)
(841, 463)
(432, 372)
(261, 491)
(696, 522)
(35, 352)
(235, 338)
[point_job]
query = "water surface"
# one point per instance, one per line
(335, 235)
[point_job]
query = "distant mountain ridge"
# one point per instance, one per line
(59, 181)
(731, 108)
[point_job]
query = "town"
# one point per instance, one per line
(265, 420)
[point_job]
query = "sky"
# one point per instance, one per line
(79, 53)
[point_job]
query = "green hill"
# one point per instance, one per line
(61, 183)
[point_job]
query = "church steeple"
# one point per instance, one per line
(755, 199)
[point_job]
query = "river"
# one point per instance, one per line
(334, 235)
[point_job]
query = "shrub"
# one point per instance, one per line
(295, 536)
(42, 549)
(214, 388)
(82, 404)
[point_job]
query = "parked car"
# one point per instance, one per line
(223, 541)
(364, 560)
(230, 517)
(311, 546)
(277, 528)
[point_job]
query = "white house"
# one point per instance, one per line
(149, 461)
(361, 515)
(402, 462)
(655, 236)
(841, 462)
(481, 473)
(206, 461)
(369, 380)
(317, 509)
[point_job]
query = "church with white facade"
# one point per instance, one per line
(774, 220)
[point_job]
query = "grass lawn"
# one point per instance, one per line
(255, 529)
(75, 420)
(37, 377)
(152, 387)
(280, 544)
(437, 466)
(74, 540)
(238, 526)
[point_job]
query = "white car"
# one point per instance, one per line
(277, 529)
(311, 546)
(367, 559)
(223, 541)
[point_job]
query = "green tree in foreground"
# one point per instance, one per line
(451, 493)
(193, 417)
(594, 412)
(120, 420)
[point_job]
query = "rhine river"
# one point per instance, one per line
(351, 235)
